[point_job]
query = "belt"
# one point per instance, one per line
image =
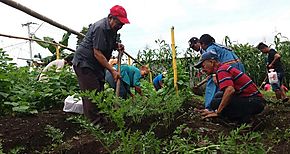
(232, 61)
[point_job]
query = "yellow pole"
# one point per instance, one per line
(174, 60)
(129, 60)
(150, 76)
(57, 51)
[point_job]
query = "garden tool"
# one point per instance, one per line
(119, 71)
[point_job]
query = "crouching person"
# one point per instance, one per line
(130, 77)
(240, 99)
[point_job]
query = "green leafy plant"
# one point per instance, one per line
(1, 148)
(107, 139)
(22, 93)
(55, 134)
(17, 150)
(240, 142)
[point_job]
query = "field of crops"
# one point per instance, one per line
(32, 120)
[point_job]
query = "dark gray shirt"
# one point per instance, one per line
(101, 37)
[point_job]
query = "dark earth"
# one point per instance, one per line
(29, 131)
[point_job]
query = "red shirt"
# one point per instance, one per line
(230, 76)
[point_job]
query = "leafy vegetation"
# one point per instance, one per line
(22, 94)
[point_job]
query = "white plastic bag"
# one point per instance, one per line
(72, 104)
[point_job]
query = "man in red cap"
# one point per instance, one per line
(92, 56)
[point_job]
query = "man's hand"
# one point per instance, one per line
(116, 75)
(206, 112)
(270, 66)
(138, 89)
(210, 115)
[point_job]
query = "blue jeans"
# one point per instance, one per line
(277, 86)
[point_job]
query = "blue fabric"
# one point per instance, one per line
(156, 81)
(225, 54)
(130, 75)
(210, 91)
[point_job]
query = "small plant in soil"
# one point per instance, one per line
(55, 134)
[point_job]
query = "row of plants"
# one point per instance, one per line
(183, 140)
(22, 93)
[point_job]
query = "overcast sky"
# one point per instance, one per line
(244, 21)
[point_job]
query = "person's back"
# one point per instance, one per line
(157, 80)
(130, 75)
(58, 64)
(277, 65)
(84, 55)
(241, 82)
(225, 54)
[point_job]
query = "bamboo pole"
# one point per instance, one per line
(119, 71)
(150, 77)
(174, 60)
(28, 11)
(129, 60)
(132, 57)
(57, 52)
(37, 40)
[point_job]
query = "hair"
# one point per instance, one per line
(145, 67)
(193, 40)
(261, 45)
(69, 58)
(206, 39)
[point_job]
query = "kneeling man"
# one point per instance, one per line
(241, 98)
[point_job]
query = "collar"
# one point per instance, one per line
(107, 24)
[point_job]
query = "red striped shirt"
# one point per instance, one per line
(243, 84)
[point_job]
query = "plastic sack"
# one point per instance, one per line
(72, 104)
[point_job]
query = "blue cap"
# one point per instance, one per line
(206, 56)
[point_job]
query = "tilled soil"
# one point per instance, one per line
(29, 131)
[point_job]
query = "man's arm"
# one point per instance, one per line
(161, 83)
(103, 61)
(229, 91)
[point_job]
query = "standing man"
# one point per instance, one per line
(241, 98)
(92, 55)
(275, 63)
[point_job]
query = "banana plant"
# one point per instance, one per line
(52, 48)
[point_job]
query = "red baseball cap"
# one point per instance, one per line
(119, 12)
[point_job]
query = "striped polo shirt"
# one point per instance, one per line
(230, 76)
